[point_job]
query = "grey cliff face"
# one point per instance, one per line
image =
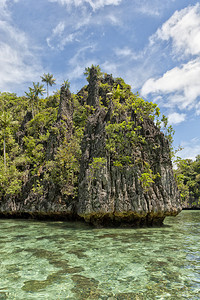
(48, 203)
(114, 195)
(111, 191)
(63, 125)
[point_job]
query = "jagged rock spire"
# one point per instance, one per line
(93, 89)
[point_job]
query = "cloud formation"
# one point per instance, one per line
(59, 38)
(94, 4)
(180, 84)
(190, 149)
(79, 61)
(18, 63)
(176, 118)
(81, 22)
(183, 29)
(127, 52)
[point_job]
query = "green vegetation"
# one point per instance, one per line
(33, 96)
(124, 131)
(29, 126)
(87, 72)
(22, 149)
(147, 177)
(188, 179)
(97, 164)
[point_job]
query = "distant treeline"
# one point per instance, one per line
(188, 179)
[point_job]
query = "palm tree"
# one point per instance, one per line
(66, 84)
(38, 89)
(48, 78)
(31, 97)
(33, 94)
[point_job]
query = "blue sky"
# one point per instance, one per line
(153, 45)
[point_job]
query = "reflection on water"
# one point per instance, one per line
(58, 260)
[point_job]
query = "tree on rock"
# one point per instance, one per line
(48, 78)
(31, 96)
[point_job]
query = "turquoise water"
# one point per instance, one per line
(58, 260)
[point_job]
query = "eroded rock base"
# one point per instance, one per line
(126, 219)
(106, 220)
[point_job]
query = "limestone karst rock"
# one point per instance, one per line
(40, 197)
(123, 173)
(111, 194)
(64, 119)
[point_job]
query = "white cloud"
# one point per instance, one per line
(109, 67)
(150, 9)
(55, 40)
(190, 149)
(183, 28)
(179, 86)
(80, 21)
(59, 37)
(3, 4)
(114, 20)
(9, 33)
(180, 83)
(4, 13)
(95, 4)
(18, 63)
(126, 52)
(15, 68)
(58, 30)
(176, 118)
(80, 60)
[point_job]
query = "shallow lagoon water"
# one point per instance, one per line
(61, 260)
